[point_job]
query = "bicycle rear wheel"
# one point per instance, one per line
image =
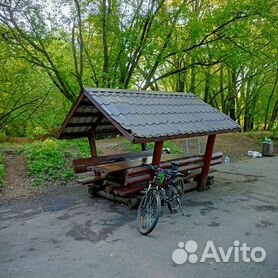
(175, 194)
(148, 212)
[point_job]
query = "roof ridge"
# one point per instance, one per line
(141, 92)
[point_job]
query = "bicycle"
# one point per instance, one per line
(167, 187)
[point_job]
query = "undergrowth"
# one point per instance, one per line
(50, 161)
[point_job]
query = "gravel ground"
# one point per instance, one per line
(65, 234)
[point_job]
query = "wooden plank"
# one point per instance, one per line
(91, 179)
(107, 158)
(119, 166)
(131, 202)
(92, 124)
(124, 165)
(81, 165)
(133, 177)
(79, 124)
(127, 191)
(207, 160)
(167, 162)
(87, 114)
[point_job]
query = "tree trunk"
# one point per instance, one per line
(221, 89)
(231, 99)
(269, 103)
(207, 86)
(273, 116)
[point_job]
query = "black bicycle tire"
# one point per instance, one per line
(140, 228)
(170, 207)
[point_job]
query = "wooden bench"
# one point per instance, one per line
(142, 174)
(96, 179)
(137, 178)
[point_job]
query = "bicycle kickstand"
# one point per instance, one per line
(179, 202)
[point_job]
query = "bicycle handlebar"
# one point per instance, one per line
(157, 169)
(151, 167)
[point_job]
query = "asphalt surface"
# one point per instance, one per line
(66, 234)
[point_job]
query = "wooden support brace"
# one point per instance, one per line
(207, 160)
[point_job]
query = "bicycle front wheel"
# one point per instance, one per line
(148, 212)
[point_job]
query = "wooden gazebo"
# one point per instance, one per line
(143, 117)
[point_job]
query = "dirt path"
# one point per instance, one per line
(17, 186)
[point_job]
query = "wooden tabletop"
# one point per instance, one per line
(120, 166)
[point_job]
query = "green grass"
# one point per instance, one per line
(167, 144)
(50, 161)
(2, 171)
(47, 162)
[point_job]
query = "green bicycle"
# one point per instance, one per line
(167, 187)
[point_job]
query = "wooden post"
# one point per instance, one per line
(207, 160)
(144, 147)
(157, 152)
(92, 143)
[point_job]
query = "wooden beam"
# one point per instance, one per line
(138, 140)
(70, 114)
(79, 124)
(207, 160)
(92, 143)
(89, 124)
(157, 153)
(87, 114)
(74, 135)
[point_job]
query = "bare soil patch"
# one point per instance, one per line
(235, 145)
(17, 185)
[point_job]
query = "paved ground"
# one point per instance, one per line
(66, 234)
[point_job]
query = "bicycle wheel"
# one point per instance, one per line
(175, 193)
(148, 212)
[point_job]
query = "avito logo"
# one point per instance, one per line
(236, 253)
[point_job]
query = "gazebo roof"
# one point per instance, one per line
(143, 116)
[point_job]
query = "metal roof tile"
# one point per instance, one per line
(152, 114)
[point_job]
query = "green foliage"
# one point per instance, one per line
(51, 160)
(37, 133)
(174, 148)
(223, 51)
